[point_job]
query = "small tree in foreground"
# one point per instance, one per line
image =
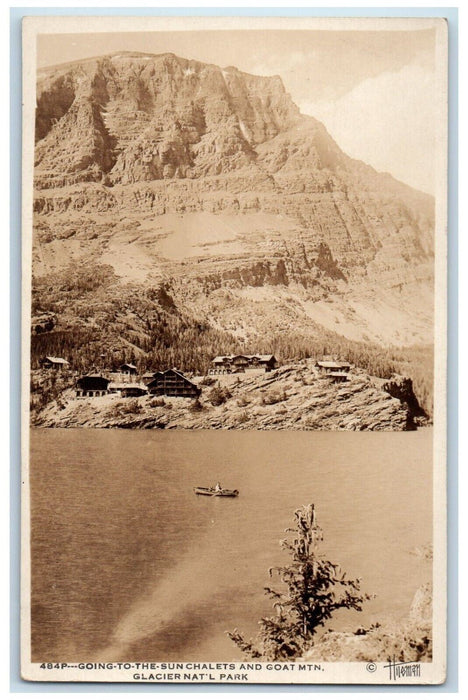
(315, 589)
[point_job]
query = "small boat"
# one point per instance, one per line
(210, 491)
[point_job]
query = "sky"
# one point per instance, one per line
(373, 90)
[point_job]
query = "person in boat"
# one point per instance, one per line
(218, 487)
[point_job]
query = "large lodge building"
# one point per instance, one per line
(227, 364)
(172, 383)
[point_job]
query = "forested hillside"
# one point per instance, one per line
(86, 315)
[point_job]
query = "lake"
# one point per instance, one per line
(129, 564)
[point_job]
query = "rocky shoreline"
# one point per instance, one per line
(293, 397)
(407, 640)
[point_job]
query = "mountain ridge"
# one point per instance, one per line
(211, 180)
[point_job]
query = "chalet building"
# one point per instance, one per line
(129, 370)
(57, 363)
(334, 370)
(227, 364)
(172, 383)
(92, 385)
(331, 366)
(126, 389)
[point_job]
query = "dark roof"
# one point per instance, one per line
(93, 381)
(176, 371)
(158, 375)
(331, 364)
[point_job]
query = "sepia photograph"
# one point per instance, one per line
(234, 289)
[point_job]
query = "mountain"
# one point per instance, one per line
(211, 183)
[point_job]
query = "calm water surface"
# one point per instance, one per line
(127, 563)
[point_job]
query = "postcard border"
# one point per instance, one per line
(16, 14)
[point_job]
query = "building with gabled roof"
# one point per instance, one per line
(50, 362)
(173, 383)
(225, 364)
(126, 389)
(328, 366)
(128, 368)
(92, 385)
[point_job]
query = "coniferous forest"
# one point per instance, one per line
(86, 315)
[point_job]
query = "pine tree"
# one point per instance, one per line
(315, 590)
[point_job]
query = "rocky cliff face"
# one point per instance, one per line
(212, 180)
(141, 118)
